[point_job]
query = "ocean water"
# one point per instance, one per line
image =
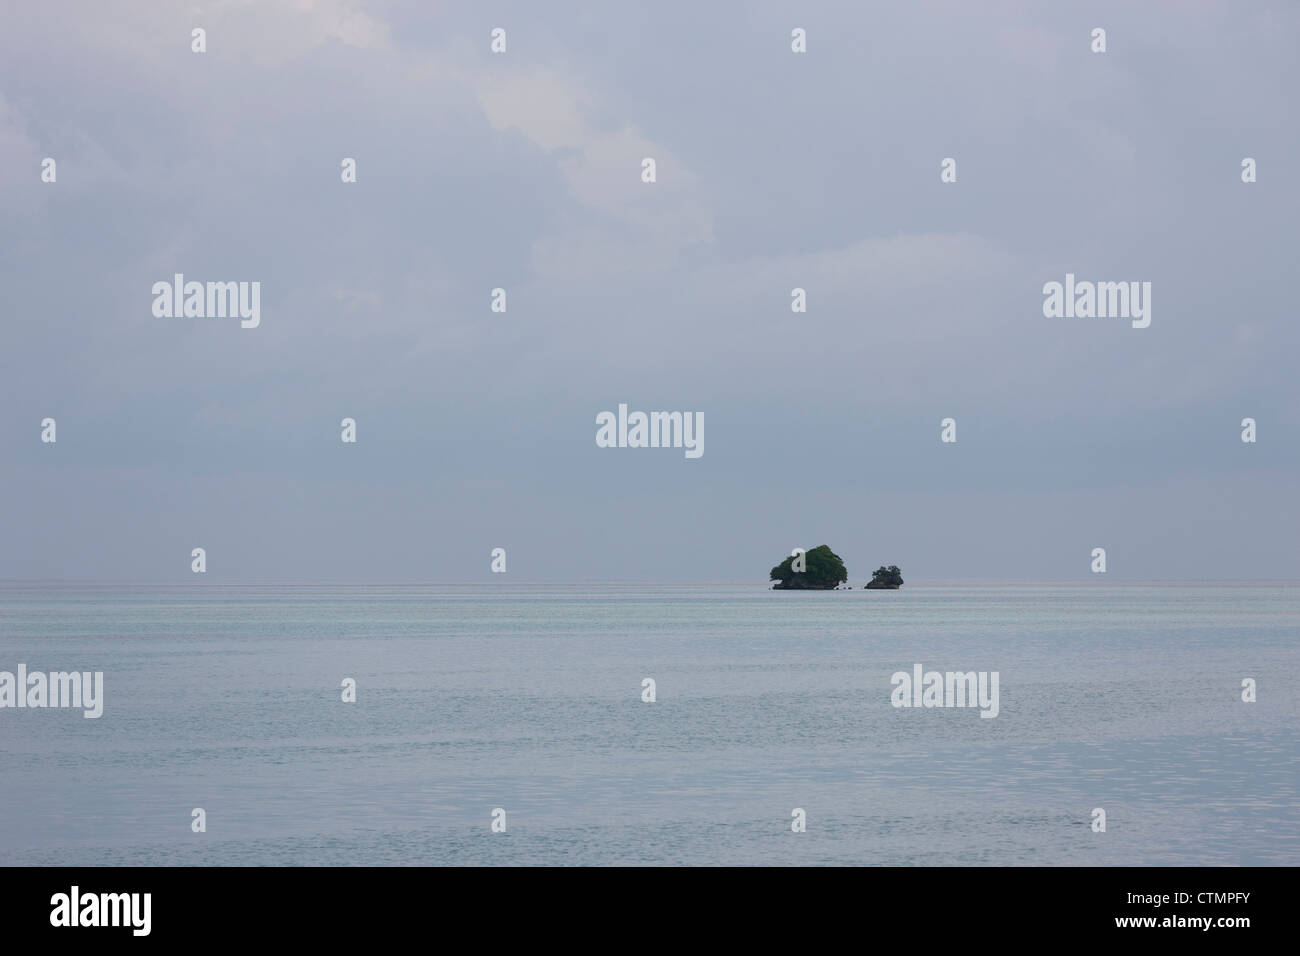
(528, 698)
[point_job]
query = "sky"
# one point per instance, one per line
(522, 170)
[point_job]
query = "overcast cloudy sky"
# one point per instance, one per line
(522, 170)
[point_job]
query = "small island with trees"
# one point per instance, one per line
(821, 569)
(817, 570)
(887, 578)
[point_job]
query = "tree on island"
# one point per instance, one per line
(823, 570)
(886, 577)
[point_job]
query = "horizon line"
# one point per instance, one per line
(639, 582)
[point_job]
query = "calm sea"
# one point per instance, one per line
(528, 698)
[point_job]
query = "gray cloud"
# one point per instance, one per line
(521, 171)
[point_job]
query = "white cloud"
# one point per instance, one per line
(602, 169)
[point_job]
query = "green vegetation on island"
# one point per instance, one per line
(819, 570)
(822, 570)
(886, 577)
